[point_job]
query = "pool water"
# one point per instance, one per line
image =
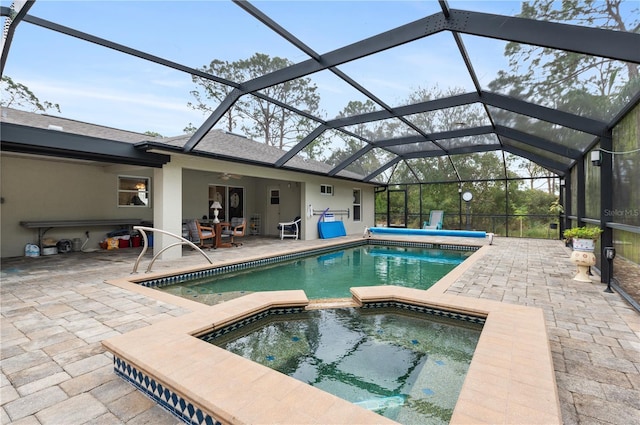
(406, 366)
(330, 275)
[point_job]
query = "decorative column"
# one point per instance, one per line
(167, 208)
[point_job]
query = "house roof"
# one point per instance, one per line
(216, 144)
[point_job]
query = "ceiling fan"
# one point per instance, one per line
(227, 176)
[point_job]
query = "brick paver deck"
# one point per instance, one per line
(56, 311)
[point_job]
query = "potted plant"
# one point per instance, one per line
(556, 209)
(583, 239)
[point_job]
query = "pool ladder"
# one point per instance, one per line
(181, 241)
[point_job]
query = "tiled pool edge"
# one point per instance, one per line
(512, 362)
(516, 395)
(426, 311)
(209, 271)
(247, 393)
(171, 401)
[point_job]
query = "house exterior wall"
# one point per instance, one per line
(39, 188)
(341, 199)
(51, 189)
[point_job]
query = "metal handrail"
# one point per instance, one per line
(182, 241)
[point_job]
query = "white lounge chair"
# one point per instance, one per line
(435, 220)
(290, 229)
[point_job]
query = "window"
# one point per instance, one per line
(134, 191)
(275, 197)
(357, 194)
(326, 189)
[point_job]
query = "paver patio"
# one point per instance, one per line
(56, 311)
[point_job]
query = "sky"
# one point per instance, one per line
(98, 85)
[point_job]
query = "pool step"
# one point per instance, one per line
(331, 303)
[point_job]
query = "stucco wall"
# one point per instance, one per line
(49, 189)
(341, 199)
(36, 189)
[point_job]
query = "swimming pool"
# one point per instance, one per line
(330, 274)
(405, 365)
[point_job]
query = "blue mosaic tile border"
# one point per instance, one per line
(208, 337)
(165, 397)
(402, 243)
(185, 277)
(426, 310)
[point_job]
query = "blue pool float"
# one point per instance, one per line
(427, 232)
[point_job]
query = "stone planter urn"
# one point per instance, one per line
(583, 257)
(584, 240)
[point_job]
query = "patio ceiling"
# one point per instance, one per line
(464, 42)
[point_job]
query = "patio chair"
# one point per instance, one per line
(199, 234)
(435, 220)
(235, 230)
(290, 229)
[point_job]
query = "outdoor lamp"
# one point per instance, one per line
(610, 254)
(596, 160)
(216, 206)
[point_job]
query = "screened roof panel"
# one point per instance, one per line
(403, 174)
(416, 71)
(509, 8)
(580, 84)
(468, 141)
(159, 28)
(479, 165)
(285, 136)
(524, 168)
(404, 149)
(382, 129)
(322, 24)
(555, 133)
(144, 96)
(333, 96)
(338, 98)
(454, 118)
(332, 147)
(369, 163)
(433, 169)
(542, 153)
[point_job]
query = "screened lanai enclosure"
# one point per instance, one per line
(517, 118)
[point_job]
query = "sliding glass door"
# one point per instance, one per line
(230, 197)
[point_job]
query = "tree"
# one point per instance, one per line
(534, 171)
(209, 94)
(587, 85)
(153, 133)
(18, 95)
(258, 118)
(369, 131)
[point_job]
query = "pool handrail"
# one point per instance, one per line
(181, 241)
